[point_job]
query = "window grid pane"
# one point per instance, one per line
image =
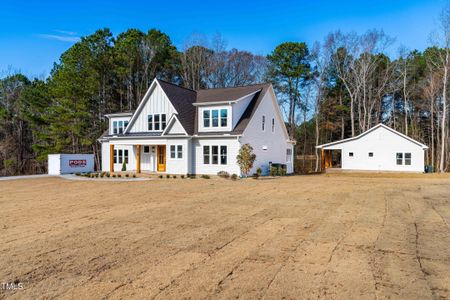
(125, 152)
(120, 127)
(223, 117)
(180, 151)
(115, 156)
(206, 118)
(157, 124)
(206, 155)
(407, 159)
(150, 122)
(172, 151)
(223, 155)
(263, 123)
(115, 127)
(120, 156)
(163, 121)
(399, 158)
(215, 118)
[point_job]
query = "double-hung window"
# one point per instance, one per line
(176, 151)
(215, 118)
(407, 159)
(288, 155)
(115, 128)
(156, 122)
(120, 156)
(215, 155)
(119, 126)
(399, 158)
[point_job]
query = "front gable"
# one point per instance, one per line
(155, 101)
(174, 127)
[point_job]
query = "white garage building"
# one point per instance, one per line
(380, 148)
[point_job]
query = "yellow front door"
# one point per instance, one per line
(161, 158)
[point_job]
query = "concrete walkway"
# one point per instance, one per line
(26, 177)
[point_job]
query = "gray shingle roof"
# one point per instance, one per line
(183, 100)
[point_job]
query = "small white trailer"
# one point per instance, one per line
(70, 163)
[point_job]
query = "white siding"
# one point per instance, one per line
(201, 128)
(178, 166)
(105, 157)
(157, 103)
(197, 159)
(239, 108)
(267, 145)
(384, 144)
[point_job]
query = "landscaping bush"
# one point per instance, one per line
(182, 176)
(107, 174)
(160, 176)
(234, 177)
(168, 176)
(127, 175)
(273, 171)
(134, 175)
(124, 167)
(102, 175)
(119, 175)
(223, 174)
(204, 176)
(175, 176)
(259, 171)
(255, 175)
(114, 175)
(78, 174)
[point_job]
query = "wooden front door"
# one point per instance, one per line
(161, 158)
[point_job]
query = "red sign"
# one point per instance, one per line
(77, 163)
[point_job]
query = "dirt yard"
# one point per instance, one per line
(339, 236)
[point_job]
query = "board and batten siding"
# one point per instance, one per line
(267, 145)
(198, 167)
(384, 144)
(156, 103)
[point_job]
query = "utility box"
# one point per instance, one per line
(70, 163)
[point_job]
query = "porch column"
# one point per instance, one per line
(322, 157)
(111, 158)
(138, 159)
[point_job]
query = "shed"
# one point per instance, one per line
(70, 163)
(380, 148)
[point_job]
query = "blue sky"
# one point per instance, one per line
(33, 34)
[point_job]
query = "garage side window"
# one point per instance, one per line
(350, 154)
(399, 157)
(288, 155)
(407, 159)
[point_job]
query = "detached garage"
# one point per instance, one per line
(70, 163)
(380, 148)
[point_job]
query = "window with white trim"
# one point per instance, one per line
(407, 159)
(215, 155)
(176, 151)
(156, 122)
(120, 156)
(399, 157)
(119, 126)
(288, 155)
(216, 118)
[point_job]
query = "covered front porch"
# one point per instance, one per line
(147, 156)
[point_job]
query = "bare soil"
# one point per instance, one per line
(339, 236)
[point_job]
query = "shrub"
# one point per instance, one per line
(245, 159)
(134, 175)
(119, 175)
(127, 175)
(114, 175)
(182, 176)
(175, 176)
(273, 171)
(160, 176)
(234, 177)
(107, 174)
(124, 166)
(259, 171)
(78, 174)
(168, 176)
(204, 176)
(102, 175)
(255, 175)
(223, 174)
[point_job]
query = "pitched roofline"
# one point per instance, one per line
(144, 101)
(171, 120)
(119, 114)
(369, 131)
(232, 101)
(179, 86)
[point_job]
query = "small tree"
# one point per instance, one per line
(245, 159)
(124, 167)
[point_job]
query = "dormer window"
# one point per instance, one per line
(119, 126)
(215, 118)
(157, 122)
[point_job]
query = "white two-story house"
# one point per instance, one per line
(176, 130)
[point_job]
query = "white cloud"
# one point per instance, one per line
(59, 37)
(65, 32)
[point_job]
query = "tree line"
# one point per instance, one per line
(330, 90)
